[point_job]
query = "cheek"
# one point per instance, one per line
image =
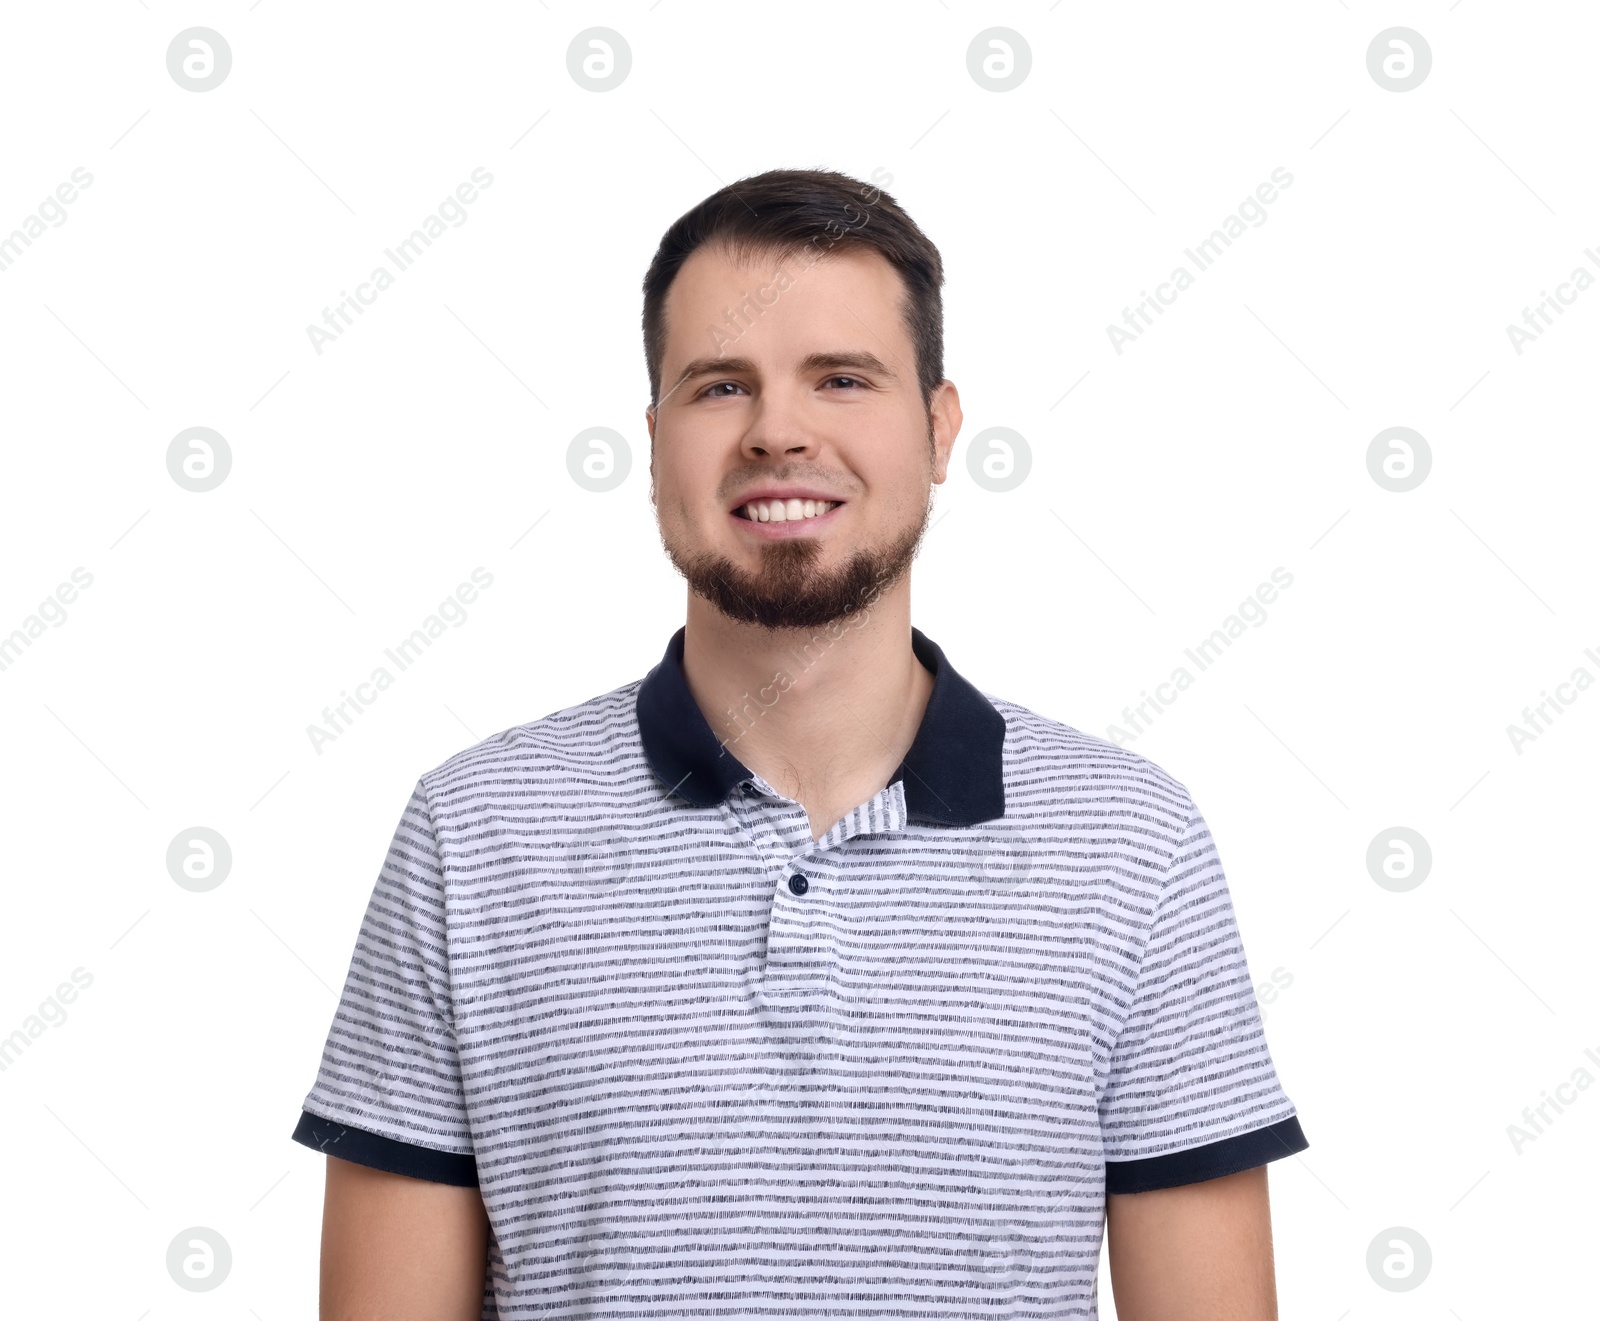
(687, 512)
(899, 485)
(673, 484)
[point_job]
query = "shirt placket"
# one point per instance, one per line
(809, 901)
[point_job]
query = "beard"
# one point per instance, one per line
(788, 591)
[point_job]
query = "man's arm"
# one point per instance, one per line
(400, 1249)
(1197, 1252)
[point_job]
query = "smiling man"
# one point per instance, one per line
(800, 976)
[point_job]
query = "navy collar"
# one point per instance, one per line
(953, 770)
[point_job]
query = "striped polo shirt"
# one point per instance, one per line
(699, 1064)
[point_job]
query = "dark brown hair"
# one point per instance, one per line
(790, 212)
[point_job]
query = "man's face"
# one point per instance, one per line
(810, 392)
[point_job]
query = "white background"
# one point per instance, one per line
(1168, 481)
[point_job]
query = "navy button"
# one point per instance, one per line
(798, 884)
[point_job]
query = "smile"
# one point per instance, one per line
(786, 520)
(785, 511)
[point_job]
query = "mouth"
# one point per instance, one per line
(776, 519)
(784, 511)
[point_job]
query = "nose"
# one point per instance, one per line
(778, 430)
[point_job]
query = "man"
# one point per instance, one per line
(799, 977)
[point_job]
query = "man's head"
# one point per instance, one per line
(793, 334)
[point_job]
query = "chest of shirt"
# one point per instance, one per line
(743, 964)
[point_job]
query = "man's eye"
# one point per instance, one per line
(851, 379)
(706, 393)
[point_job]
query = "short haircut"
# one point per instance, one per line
(785, 213)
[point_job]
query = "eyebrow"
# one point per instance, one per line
(854, 359)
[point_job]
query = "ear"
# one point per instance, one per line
(944, 411)
(650, 426)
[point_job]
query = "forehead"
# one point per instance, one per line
(779, 299)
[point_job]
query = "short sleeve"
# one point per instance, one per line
(1191, 1092)
(388, 1092)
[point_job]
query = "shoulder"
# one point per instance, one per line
(1054, 767)
(589, 744)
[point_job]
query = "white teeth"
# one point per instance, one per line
(784, 511)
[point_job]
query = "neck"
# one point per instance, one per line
(824, 715)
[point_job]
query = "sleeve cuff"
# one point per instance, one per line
(1212, 1161)
(333, 1138)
